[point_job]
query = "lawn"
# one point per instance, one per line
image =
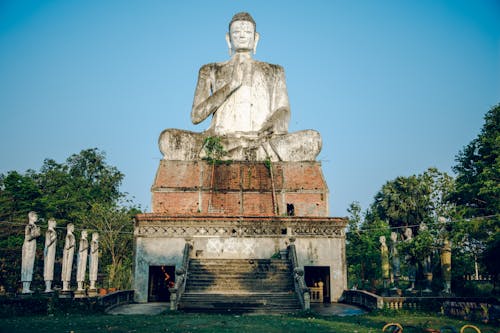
(179, 322)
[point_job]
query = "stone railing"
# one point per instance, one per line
(298, 278)
(363, 298)
(114, 299)
(180, 277)
(464, 307)
(317, 293)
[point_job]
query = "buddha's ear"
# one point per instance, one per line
(228, 41)
(257, 38)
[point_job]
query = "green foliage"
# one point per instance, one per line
(63, 191)
(477, 194)
(82, 190)
(404, 201)
(115, 227)
(214, 149)
(363, 247)
(478, 170)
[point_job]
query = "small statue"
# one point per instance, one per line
(93, 260)
(49, 255)
(446, 259)
(426, 264)
(31, 233)
(412, 269)
(396, 265)
(384, 259)
(83, 251)
(68, 255)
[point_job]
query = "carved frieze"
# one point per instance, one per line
(239, 227)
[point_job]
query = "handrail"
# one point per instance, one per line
(298, 278)
(180, 277)
(114, 299)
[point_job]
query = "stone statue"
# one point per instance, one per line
(93, 260)
(49, 255)
(445, 258)
(247, 101)
(426, 264)
(384, 260)
(412, 269)
(68, 255)
(31, 233)
(446, 265)
(396, 265)
(83, 252)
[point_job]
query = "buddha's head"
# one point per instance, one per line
(32, 217)
(95, 236)
(242, 35)
(52, 224)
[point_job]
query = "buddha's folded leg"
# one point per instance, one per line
(298, 146)
(180, 145)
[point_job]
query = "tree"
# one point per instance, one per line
(416, 202)
(404, 201)
(478, 170)
(363, 247)
(115, 227)
(65, 191)
(477, 193)
(68, 192)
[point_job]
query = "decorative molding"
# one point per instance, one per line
(156, 226)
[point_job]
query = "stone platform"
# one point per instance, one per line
(240, 189)
(238, 210)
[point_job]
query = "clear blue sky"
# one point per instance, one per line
(394, 87)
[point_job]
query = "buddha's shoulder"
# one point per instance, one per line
(267, 65)
(214, 66)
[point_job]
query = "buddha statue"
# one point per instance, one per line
(247, 102)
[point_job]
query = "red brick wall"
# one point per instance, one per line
(239, 188)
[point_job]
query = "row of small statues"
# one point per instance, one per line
(393, 255)
(32, 232)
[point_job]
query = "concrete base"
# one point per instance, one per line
(80, 294)
(92, 293)
(66, 294)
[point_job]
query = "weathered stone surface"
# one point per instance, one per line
(49, 254)
(68, 256)
(31, 233)
(247, 101)
(239, 188)
(160, 239)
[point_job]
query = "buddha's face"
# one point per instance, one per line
(242, 36)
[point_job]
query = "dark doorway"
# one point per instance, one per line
(316, 274)
(160, 279)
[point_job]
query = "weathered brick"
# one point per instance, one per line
(239, 188)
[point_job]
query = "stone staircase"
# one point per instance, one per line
(239, 286)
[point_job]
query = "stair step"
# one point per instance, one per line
(239, 286)
(240, 302)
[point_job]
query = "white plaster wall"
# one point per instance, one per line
(325, 252)
(168, 251)
(236, 247)
(154, 252)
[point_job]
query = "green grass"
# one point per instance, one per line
(179, 322)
